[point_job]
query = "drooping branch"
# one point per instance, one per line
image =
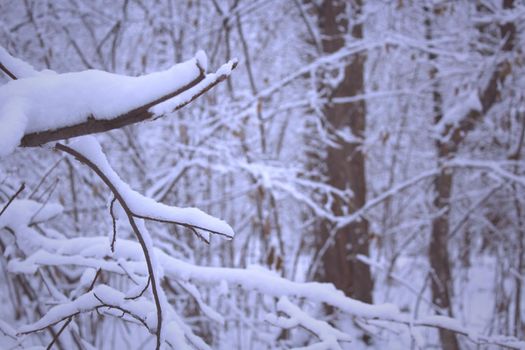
(136, 230)
(132, 220)
(89, 153)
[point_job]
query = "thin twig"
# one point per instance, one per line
(141, 292)
(114, 222)
(7, 72)
(12, 198)
(68, 321)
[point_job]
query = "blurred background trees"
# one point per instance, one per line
(376, 145)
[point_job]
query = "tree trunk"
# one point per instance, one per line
(441, 275)
(442, 281)
(345, 163)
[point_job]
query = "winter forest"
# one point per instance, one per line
(262, 174)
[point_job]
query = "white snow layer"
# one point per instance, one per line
(186, 96)
(18, 67)
(40, 102)
(22, 212)
(457, 112)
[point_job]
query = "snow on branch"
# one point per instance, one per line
(39, 107)
(454, 115)
(493, 167)
(112, 302)
(86, 252)
(15, 68)
(329, 336)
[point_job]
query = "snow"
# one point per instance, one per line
(202, 60)
(206, 309)
(18, 67)
(100, 296)
(22, 212)
(329, 336)
(454, 115)
(43, 102)
(113, 302)
(186, 96)
(255, 290)
(89, 254)
(7, 329)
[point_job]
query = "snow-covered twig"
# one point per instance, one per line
(101, 296)
(493, 167)
(15, 68)
(329, 336)
(68, 321)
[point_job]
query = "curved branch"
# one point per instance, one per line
(147, 255)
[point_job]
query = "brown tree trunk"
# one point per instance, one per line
(442, 281)
(441, 275)
(345, 163)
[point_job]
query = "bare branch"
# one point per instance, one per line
(114, 224)
(7, 71)
(12, 198)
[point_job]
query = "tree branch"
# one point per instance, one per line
(18, 69)
(7, 71)
(12, 198)
(199, 86)
(92, 125)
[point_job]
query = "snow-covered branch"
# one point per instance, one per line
(86, 252)
(329, 336)
(40, 107)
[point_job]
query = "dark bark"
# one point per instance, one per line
(438, 254)
(345, 164)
